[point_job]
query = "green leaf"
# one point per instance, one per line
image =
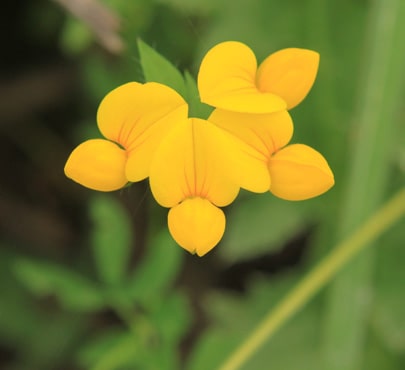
(172, 318)
(110, 350)
(151, 345)
(157, 270)
(196, 107)
(18, 314)
(261, 223)
(233, 317)
(111, 238)
(161, 330)
(74, 291)
(29, 330)
(156, 68)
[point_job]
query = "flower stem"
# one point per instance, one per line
(319, 276)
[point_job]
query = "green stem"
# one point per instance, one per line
(390, 213)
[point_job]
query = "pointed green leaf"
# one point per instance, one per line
(156, 68)
(196, 107)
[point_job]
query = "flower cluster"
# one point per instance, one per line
(195, 166)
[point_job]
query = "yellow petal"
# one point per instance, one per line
(289, 73)
(196, 225)
(299, 172)
(193, 161)
(137, 116)
(248, 171)
(227, 80)
(262, 135)
(265, 133)
(97, 164)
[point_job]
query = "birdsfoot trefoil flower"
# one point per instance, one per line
(196, 166)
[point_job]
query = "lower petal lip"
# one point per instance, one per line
(196, 225)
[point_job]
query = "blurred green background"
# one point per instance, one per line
(94, 281)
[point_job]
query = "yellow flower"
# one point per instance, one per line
(197, 168)
(134, 118)
(229, 78)
(296, 171)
